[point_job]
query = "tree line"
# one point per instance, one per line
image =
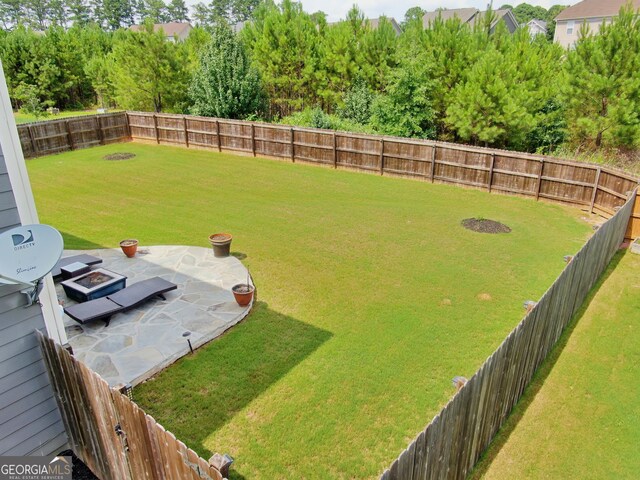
(114, 14)
(449, 81)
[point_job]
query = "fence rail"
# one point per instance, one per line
(596, 188)
(54, 136)
(114, 437)
(451, 444)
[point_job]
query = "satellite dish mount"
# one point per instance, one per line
(27, 254)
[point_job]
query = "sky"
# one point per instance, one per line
(337, 9)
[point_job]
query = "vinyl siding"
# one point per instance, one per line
(30, 423)
(567, 40)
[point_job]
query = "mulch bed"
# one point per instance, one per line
(119, 156)
(482, 225)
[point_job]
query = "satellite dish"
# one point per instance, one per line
(27, 254)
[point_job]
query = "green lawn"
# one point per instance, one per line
(372, 296)
(27, 118)
(580, 417)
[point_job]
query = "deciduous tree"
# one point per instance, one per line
(226, 85)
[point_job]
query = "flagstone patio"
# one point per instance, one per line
(139, 343)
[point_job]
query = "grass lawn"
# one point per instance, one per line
(580, 417)
(371, 295)
(26, 118)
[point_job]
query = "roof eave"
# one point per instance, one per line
(585, 18)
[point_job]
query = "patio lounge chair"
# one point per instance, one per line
(63, 262)
(121, 301)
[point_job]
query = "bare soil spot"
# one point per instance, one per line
(484, 297)
(482, 225)
(119, 156)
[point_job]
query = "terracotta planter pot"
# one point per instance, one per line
(129, 247)
(221, 243)
(243, 293)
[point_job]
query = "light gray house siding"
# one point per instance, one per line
(30, 423)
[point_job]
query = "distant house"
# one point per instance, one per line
(238, 27)
(536, 27)
(173, 31)
(471, 16)
(589, 12)
(374, 22)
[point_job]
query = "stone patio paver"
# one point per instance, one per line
(141, 342)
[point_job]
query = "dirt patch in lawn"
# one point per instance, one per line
(119, 156)
(483, 225)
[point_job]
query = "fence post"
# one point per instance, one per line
(382, 156)
(218, 135)
(186, 132)
(155, 126)
(31, 138)
(539, 186)
(253, 139)
(595, 190)
(99, 130)
(293, 151)
(493, 161)
(69, 136)
(433, 162)
(335, 151)
(128, 125)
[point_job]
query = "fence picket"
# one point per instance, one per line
(451, 444)
(93, 414)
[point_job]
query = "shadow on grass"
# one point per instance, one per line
(201, 392)
(239, 255)
(537, 382)
(71, 242)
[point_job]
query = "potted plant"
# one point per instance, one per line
(221, 243)
(129, 247)
(243, 292)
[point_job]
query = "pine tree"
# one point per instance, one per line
(283, 43)
(603, 93)
(78, 12)
(178, 11)
(11, 13)
(117, 13)
(149, 72)
(156, 11)
(201, 14)
(242, 10)
(37, 14)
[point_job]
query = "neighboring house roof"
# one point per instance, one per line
(471, 16)
(464, 14)
(374, 22)
(540, 23)
(170, 29)
(595, 9)
(506, 15)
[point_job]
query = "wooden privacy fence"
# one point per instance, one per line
(594, 187)
(451, 444)
(53, 136)
(114, 437)
(591, 186)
